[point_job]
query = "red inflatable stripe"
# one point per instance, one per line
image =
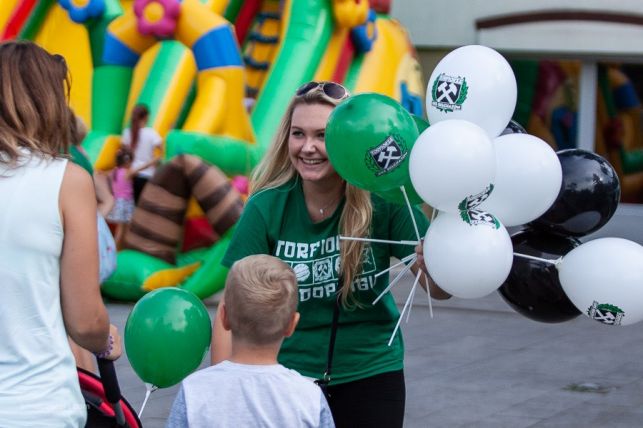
(344, 62)
(18, 19)
(245, 17)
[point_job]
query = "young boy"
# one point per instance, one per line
(251, 389)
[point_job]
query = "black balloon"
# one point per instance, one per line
(513, 128)
(533, 288)
(588, 196)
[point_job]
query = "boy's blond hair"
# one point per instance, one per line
(260, 299)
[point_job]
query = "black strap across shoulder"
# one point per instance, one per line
(323, 383)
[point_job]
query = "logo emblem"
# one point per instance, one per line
(477, 218)
(322, 270)
(474, 200)
(448, 93)
(605, 313)
(387, 156)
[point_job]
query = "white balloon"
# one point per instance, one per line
(473, 83)
(468, 255)
(528, 179)
(604, 279)
(452, 165)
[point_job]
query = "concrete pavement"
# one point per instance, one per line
(477, 363)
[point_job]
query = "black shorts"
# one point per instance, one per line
(377, 401)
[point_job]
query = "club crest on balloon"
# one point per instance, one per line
(474, 200)
(449, 93)
(387, 156)
(605, 313)
(478, 218)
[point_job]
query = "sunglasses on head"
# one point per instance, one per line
(330, 89)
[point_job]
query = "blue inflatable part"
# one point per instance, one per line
(364, 35)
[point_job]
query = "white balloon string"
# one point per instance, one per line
(408, 205)
(428, 294)
(540, 259)
(149, 389)
(380, 241)
(408, 300)
(408, 314)
(404, 260)
(395, 280)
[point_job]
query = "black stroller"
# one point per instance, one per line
(105, 405)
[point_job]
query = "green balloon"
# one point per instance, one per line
(369, 139)
(395, 195)
(167, 334)
(421, 123)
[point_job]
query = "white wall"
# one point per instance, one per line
(446, 24)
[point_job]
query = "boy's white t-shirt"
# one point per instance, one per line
(148, 140)
(240, 395)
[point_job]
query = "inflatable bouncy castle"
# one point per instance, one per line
(217, 76)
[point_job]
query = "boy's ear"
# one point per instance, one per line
(292, 325)
(224, 317)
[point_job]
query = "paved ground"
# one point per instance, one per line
(478, 363)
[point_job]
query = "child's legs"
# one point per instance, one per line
(377, 401)
(121, 229)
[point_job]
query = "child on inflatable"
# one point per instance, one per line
(251, 388)
(123, 190)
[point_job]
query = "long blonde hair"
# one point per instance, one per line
(276, 169)
(34, 113)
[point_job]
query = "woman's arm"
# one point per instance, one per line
(103, 193)
(84, 313)
(435, 291)
(133, 171)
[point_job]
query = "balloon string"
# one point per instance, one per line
(540, 259)
(408, 300)
(417, 233)
(408, 205)
(395, 280)
(408, 314)
(404, 260)
(381, 241)
(149, 388)
(428, 294)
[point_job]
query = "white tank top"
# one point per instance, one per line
(38, 380)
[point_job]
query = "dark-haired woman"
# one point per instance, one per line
(145, 143)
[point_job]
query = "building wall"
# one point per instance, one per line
(451, 23)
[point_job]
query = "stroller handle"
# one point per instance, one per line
(109, 379)
(111, 388)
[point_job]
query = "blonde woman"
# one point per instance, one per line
(298, 208)
(48, 247)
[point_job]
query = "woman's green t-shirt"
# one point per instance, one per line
(276, 222)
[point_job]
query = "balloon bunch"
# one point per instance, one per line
(369, 139)
(477, 179)
(481, 172)
(601, 278)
